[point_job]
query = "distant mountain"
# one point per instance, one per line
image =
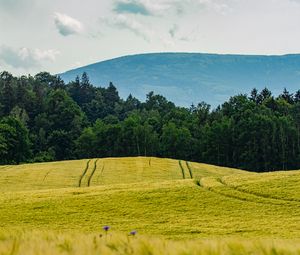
(187, 78)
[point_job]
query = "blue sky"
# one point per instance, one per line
(58, 35)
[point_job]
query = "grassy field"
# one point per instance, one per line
(49, 243)
(169, 199)
(41, 176)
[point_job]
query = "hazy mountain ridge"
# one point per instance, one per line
(187, 78)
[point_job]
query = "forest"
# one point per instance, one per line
(44, 119)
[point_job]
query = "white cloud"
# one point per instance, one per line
(130, 23)
(67, 25)
(189, 35)
(25, 57)
(45, 55)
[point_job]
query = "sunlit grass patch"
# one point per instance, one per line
(51, 175)
(277, 185)
(150, 196)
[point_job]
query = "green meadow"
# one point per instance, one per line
(176, 207)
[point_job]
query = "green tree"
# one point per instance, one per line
(63, 122)
(175, 141)
(14, 140)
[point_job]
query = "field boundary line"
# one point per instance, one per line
(92, 173)
(182, 169)
(84, 172)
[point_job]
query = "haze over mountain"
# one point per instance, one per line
(187, 78)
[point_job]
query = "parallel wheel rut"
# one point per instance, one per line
(182, 169)
(92, 173)
(84, 172)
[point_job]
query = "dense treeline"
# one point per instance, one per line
(43, 119)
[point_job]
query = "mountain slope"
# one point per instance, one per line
(187, 78)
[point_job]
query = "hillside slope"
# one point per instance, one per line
(154, 196)
(94, 172)
(186, 78)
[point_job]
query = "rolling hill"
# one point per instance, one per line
(186, 78)
(57, 203)
(157, 196)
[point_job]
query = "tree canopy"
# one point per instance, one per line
(43, 119)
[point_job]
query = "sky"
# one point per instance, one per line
(59, 35)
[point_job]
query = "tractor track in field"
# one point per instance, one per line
(92, 173)
(189, 168)
(84, 172)
(251, 198)
(182, 169)
(259, 195)
(211, 189)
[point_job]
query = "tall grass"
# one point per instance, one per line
(152, 197)
(50, 243)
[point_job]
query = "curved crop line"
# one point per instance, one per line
(243, 199)
(189, 168)
(267, 200)
(84, 172)
(200, 184)
(182, 170)
(256, 193)
(92, 173)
